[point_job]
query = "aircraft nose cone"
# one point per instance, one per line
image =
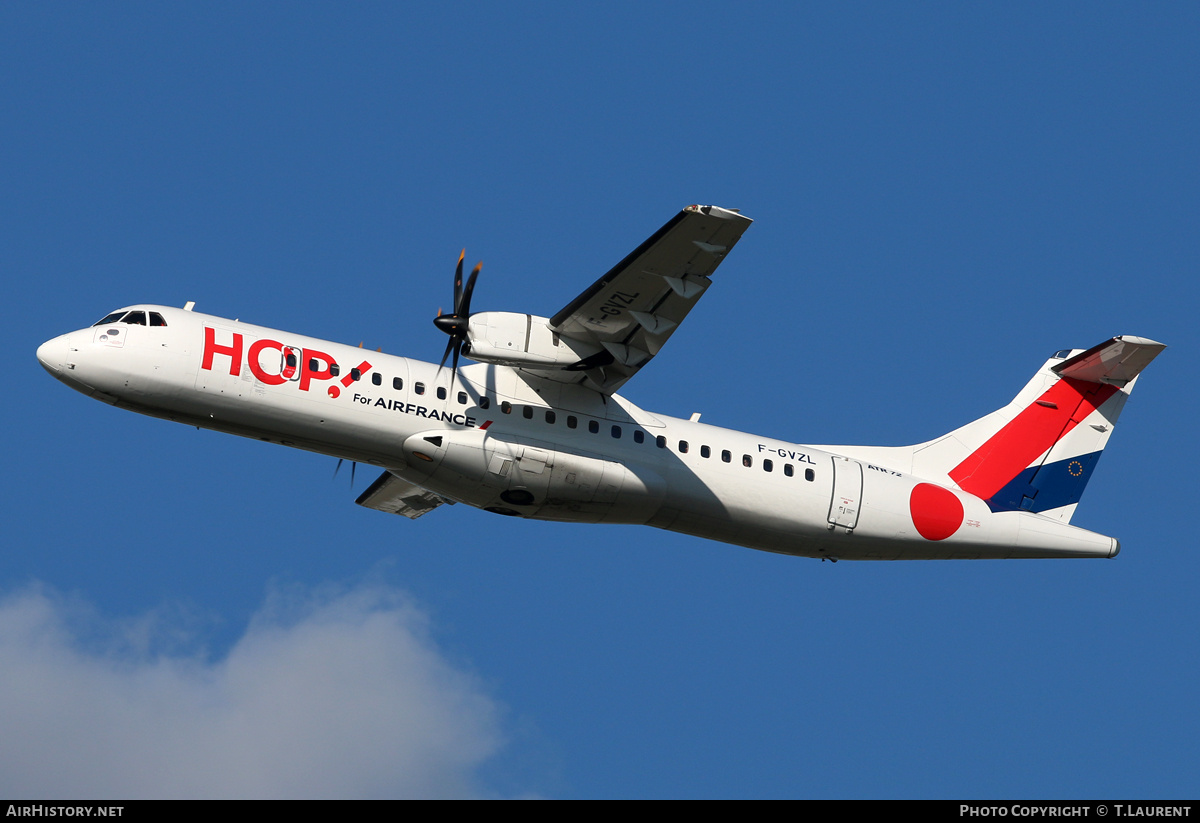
(52, 354)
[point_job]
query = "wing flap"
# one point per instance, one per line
(396, 496)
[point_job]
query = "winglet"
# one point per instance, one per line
(1114, 362)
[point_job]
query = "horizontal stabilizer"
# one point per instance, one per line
(1114, 362)
(395, 496)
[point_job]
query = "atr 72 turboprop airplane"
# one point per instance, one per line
(536, 429)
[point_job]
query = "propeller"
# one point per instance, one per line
(337, 468)
(456, 324)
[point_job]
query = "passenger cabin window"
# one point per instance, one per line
(639, 436)
(441, 392)
(419, 388)
(747, 460)
(334, 368)
(660, 441)
(157, 319)
(726, 456)
(462, 398)
(397, 383)
(572, 421)
(355, 374)
(768, 466)
(377, 379)
(550, 418)
(788, 469)
(683, 447)
(506, 407)
(810, 475)
(527, 412)
(705, 451)
(594, 426)
(485, 402)
(616, 432)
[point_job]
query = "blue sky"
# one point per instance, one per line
(944, 195)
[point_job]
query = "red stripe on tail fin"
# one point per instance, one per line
(1029, 435)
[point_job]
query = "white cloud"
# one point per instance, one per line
(340, 695)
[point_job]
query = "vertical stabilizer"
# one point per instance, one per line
(1038, 452)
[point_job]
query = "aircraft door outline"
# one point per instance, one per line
(846, 499)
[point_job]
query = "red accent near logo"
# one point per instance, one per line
(483, 428)
(334, 391)
(363, 368)
(936, 512)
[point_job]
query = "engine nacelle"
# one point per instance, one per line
(521, 340)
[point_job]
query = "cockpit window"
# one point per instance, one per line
(136, 318)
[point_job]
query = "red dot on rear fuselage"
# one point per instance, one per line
(936, 512)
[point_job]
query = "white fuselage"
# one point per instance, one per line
(530, 446)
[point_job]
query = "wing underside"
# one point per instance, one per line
(395, 496)
(630, 312)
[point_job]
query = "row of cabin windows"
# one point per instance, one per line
(398, 384)
(639, 436)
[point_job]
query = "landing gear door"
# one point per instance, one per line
(847, 493)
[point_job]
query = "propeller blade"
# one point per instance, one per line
(458, 287)
(338, 467)
(464, 310)
(450, 344)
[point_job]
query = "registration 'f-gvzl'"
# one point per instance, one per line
(536, 429)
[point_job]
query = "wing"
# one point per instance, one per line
(630, 312)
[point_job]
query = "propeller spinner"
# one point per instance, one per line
(456, 324)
